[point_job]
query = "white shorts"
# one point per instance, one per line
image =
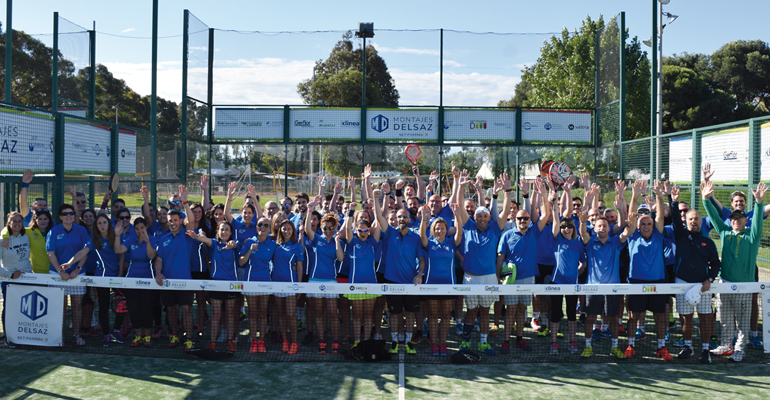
(683, 307)
(523, 299)
(69, 290)
(484, 301)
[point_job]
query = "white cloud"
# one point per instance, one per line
(472, 89)
(451, 63)
(405, 50)
(127, 30)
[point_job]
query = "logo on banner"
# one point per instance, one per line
(528, 126)
(140, 282)
(322, 288)
(478, 125)
(762, 286)
(252, 124)
(548, 126)
(650, 289)
(491, 288)
(295, 287)
(461, 289)
(236, 286)
(302, 124)
(734, 287)
(175, 284)
(351, 123)
(86, 280)
(352, 288)
(730, 155)
(552, 289)
(34, 305)
(380, 123)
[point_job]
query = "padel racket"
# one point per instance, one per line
(114, 180)
(413, 153)
(556, 171)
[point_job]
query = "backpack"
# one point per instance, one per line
(465, 357)
(369, 350)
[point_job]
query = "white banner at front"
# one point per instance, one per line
(33, 315)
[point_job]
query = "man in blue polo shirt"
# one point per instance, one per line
(174, 263)
(518, 246)
(479, 247)
(404, 249)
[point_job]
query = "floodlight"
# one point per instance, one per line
(365, 30)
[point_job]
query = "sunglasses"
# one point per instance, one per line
(577, 205)
(566, 227)
(402, 216)
(81, 201)
(644, 212)
(175, 202)
(328, 228)
(363, 230)
(522, 218)
(684, 210)
(67, 214)
(41, 209)
(285, 205)
(263, 225)
(124, 218)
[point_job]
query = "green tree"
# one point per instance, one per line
(742, 69)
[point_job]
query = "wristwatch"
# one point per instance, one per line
(711, 280)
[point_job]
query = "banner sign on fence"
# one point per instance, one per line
(765, 157)
(325, 124)
(479, 125)
(92, 143)
(728, 155)
(33, 315)
(570, 127)
(248, 124)
(407, 125)
(680, 160)
(26, 141)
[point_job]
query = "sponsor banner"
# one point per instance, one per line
(325, 124)
(479, 125)
(127, 155)
(405, 125)
(26, 141)
(766, 330)
(728, 155)
(765, 157)
(572, 127)
(87, 149)
(34, 315)
(248, 124)
(680, 159)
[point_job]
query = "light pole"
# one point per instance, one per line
(365, 30)
(116, 106)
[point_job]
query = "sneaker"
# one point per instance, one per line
(506, 348)
(173, 341)
(713, 342)
(261, 346)
(617, 353)
(630, 351)
(335, 347)
(213, 346)
(544, 332)
(685, 353)
(587, 352)
(436, 350)
(573, 347)
(136, 342)
(679, 343)
(459, 329)
(737, 356)
(188, 345)
(293, 349)
(106, 342)
(494, 330)
(705, 357)
(417, 338)
(535, 324)
(442, 350)
(285, 347)
(147, 341)
(409, 347)
(664, 354)
(465, 345)
(668, 336)
(308, 339)
(253, 347)
(116, 336)
(321, 347)
(522, 344)
(596, 335)
(756, 341)
(347, 341)
(222, 336)
(640, 334)
(622, 331)
(232, 346)
(723, 350)
(393, 348)
(560, 335)
(487, 349)
(554, 348)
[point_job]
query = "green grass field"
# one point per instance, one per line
(32, 374)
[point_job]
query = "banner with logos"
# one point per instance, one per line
(728, 155)
(87, 149)
(480, 125)
(325, 124)
(680, 160)
(765, 157)
(33, 315)
(248, 124)
(568, 127)
(401, 125)
(26, 142)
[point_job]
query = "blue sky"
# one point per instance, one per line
(265, 69)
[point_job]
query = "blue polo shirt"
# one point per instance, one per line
(479, 248)
(90, 265)
(199, 254)
(545, 243)
(107, 261)
(284, 258)
(324, 252)
(401, 257)
(156, 229)
(139, 265)
(567, 253)
(242, 232)
(258, 267)
(521, 250)
(361, 256)
(66, 244)
(222, 262)
(440, 261)
(603, 260)
(343, 267)
(174, 250)
(646, 257)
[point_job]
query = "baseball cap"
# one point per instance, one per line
(643, 207)
(738, 214)
(482, 210)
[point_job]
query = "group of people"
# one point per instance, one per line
(407, 235)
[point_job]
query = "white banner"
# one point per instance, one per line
(405, 125)
(480, 125)
(86, 149)
(680, 160)
(33, 315)
(765, 157)
(26, 141)
(728, 153)
(572, 127)
(325, 124)
(127, 155)
(248, 123)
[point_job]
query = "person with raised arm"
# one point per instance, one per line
(256, 254)
(287, 267)
(39, 204)
(244, 228)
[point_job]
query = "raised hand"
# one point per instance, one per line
(433, 176)
(585, 182)
(338, 188)
(759, 194)
(204, 182)
(119, 228)
(549, 182)
(145, 193)
(183, 193)
(353, 206)
(351, 181)
(675, 193)
(667, 188)
(707, 172)
(73, 192)
(377, 194)
(400, 184)
(497, 186)
(316, 201)
(465, 178)
(658, 188)
(252, 192)
(454, 206)
(569, 183)
(320, 179)
(583, 217)
(416, 170)
(455, 170)
(620, 187)
(523, 186)
(232, 188)
(27, 176)
(426, 212)
(540, 188)
(231, 245)
(385, 187)
(706, 189)
(505, 180)
(367, 171)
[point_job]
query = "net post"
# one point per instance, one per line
(92, 74)
(8, 54)
(55, 76)
(695, 173)
(183, 106)
(755, 153)
(114, 155)
(622, 89)
(57, 197)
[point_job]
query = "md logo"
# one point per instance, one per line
(34, 305)
(380, 123)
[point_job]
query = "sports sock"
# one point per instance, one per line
(605, 327)
(459, 321)
(588, 342)
(394, 336)
(631, 341)
(483, 337)
(754, 334)
(705, 346)
(688, 343)
(408, 337)
(614, 343)
(535, 314)
(661, 343)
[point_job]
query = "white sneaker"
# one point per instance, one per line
(723, 350)
(737, 356)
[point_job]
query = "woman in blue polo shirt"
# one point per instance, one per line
(223, 255)
(287, 267)
(255, 256)
(139, 253)
(105, 243)
(440, 269)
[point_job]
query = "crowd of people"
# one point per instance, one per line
(405, 233)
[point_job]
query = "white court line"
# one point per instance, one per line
(401, 388)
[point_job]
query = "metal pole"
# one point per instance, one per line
(363, 89)
(92, 75)
(622, 111)
(8, 53)
(154, 104)
(55, 77)
(654, 87)
(183, 105)
(659, 121)
(441, 72)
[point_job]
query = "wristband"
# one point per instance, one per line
(351, 213)
(399, 192)
(525, 195)
(104, 205)
(185, 202)
(508, 190)
(457, 176)
(23, 184)
(494, 196)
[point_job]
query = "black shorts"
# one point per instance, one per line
(223, 295)
(623, 272)
(170, 298)
(459, 274)
(602, 305)
(398, 304)
(556, 308)
(381, 278)
(543, 272)
(640, 303)
(197, 275)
